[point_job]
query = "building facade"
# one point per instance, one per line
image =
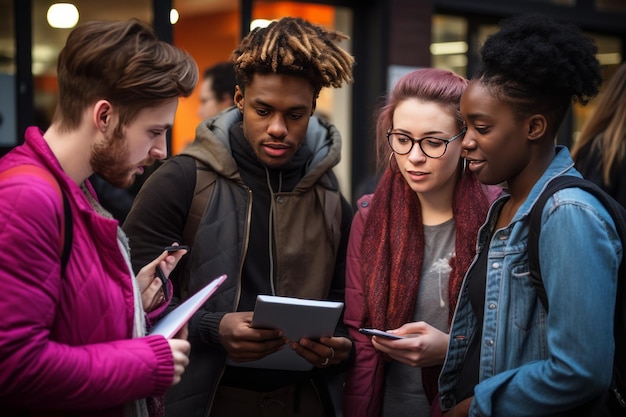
(387, 38)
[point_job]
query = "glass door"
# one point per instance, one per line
(8, 115)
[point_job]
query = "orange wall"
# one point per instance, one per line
(315, 13)
(209, 38)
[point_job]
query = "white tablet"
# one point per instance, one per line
(298, 318)
(169, 325)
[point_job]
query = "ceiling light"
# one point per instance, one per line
(174, 16)
(259, 23)
(62, 15)
(448, 48)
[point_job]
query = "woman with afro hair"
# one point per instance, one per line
(507, 355)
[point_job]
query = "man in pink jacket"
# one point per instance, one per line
(72, 332)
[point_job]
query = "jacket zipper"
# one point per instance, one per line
(238, 296)
(245, 247)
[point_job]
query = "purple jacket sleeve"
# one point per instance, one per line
(38, 369)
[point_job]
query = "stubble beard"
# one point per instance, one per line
(108, 159)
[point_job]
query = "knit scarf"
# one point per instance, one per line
(394, 246)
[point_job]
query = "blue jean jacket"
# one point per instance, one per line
(534, 363)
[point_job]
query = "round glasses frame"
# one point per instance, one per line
(404, 136)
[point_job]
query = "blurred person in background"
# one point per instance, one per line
(217, 89)
(600, 151)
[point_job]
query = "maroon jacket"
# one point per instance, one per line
(363, 393)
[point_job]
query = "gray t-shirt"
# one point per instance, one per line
(404, 393)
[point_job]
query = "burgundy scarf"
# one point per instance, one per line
(394, 245)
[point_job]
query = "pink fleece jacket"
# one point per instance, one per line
(66, 344)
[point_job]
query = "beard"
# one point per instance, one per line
(108, 159)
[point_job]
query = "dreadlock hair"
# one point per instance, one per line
(293, 46)
(538, 65)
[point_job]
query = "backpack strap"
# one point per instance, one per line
(205, 183)
(618, 213)
(68, 234)
(67, 227)
(332, 212)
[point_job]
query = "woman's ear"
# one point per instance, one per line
(537, 126)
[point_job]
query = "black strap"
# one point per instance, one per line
(567, 181)
(205, 184)
(67, 234)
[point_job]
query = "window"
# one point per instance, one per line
(449, 45)
(611, 6)
(8, 117)
(48, 42)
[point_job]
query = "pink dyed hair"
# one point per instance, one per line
(428, 84)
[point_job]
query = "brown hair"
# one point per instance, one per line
(293, 46)
(606, 128)
(124, 63)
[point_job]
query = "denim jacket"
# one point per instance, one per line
(534, 363)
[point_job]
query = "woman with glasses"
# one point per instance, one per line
(410, 245)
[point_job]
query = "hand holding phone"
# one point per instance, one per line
(176, 248)
(159, 271)
(163, 278)
(380, 333)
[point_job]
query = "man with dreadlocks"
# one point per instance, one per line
(275, 223)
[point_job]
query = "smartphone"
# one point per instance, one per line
(176, 248)
(380, 333)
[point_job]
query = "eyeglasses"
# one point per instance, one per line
(432, 147)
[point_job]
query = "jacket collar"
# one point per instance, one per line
(562, 164)
(212, 147)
